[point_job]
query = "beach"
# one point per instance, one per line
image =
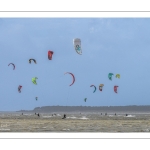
(74, 122)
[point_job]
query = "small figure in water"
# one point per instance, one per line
(101, 113)
(126, 114)
(22, 113)
(64, 116)
(38, 115)
(35, 113)
(105, 114)
(115, 114)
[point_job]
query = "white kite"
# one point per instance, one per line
(77, 45)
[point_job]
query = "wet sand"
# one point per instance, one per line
(75, 123)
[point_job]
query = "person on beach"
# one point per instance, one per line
(64, 116)
(38, 115)
(101, 113)
(115, 114)
(35, 113)
(22, 113)
(105, 114)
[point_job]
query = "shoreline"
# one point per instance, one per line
(90, 109)
(74, 123)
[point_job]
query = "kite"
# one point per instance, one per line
(115, 88)
(32, 60)
(77, 45)
(50, 53)
(34, 80)
(36, 98)
(72, 77)
(19, 88)
(85, 99)
(101, 87)
(94, 88)
(13, 65)
(118, 76)
(110, 76)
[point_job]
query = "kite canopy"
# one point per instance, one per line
(85, 99)
(115, 88)
(34, 80)
(94, 87)
(73, 78)
(101, 87)
(50, 54)
(110, 76)
(36, 98)
(32, 60)
(12, 65)
(19, 88)
(118, 76)
(77, 45)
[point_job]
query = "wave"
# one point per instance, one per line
(83, 117)
(72, 117)
(46, 116)
(130, 116)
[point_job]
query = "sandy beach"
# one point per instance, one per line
(96, 122)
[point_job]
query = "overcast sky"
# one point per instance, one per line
(109, 45)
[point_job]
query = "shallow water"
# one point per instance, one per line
(74, 122)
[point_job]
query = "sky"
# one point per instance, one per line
(109, 45)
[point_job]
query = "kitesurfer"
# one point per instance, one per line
(64, 116)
